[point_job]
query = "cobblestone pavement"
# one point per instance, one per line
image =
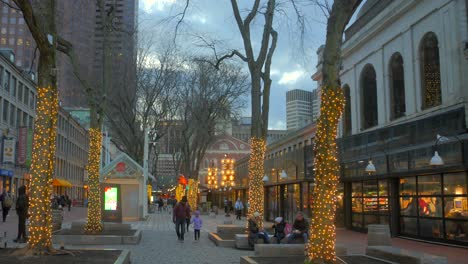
(159, 243)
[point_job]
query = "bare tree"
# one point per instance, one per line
(208, 97)
(321, 248)
(40, 18)
(158, 75)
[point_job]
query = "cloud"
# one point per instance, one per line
(278, 125)
(158, 5)
(291, 77)
(274, 72)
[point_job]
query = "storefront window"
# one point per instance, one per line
(369, 203)
(408, 206)
(432, 205)
(339, 218)
(456, 207)
(357, 189)
(455, 183)
(429, 185)
(408, 186)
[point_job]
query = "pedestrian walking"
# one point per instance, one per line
(225, 205)
(179, 216)
(160, 204)
(7, 202)
(68, 202)
(197, 224)
(22, 205)
(239, 207)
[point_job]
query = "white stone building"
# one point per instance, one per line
(405, 78)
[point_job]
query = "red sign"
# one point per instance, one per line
(182, 180)
(22, 140)
(120, 167)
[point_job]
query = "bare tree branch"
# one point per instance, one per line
(9, 5)
(181, 19)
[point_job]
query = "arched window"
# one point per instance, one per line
(430, 71)
(397, 87)
(368, 98)
(347, 111)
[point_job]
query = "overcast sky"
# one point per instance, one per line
(291, 68)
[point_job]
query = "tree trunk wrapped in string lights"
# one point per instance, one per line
(94, 224)
(322, 232)
(256, 196)
(42, 170)
(179, 192)
(321, 245)
(192, 193)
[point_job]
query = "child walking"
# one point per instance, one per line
(197, 224)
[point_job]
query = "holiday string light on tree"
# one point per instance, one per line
(94, 223)
(256, 198)
(42, 170)
(180, 190)
(322, 233)
(192, 193)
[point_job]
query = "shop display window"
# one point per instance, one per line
(357, 204)
(455, 183)
(429, 185)
(430, 206)
(357, 189)
(369, 188)
(409, 226)
(383, 188)
(456, 207)
(408, 206)
(437, 206)
(408, 186)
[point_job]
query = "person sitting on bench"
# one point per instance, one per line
(300, 228)
(255, 232)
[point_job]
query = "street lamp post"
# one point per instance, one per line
(143, 190)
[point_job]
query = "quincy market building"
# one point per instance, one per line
(405, 75)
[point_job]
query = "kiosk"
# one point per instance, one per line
(123, 182)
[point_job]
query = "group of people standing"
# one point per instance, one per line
(300, 228)
(61, 201)
(182, 218)
(21, 206)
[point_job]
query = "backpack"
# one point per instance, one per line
(288, 229)
(7, 201)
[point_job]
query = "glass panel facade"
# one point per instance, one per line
(369, 203)
(436, 207)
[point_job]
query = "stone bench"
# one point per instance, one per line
(106, 226)
(279, 250)
(220, 242)
(230, 229)
(242, 241)
(403, 256)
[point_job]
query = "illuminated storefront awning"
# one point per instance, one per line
(61, 182)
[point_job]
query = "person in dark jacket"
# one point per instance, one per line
(22, 205)
(68, 202)
(179, 215)
(300, 228)
(279, 228)
(255, 232)
(7, 202)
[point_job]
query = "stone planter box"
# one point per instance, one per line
(112, 234)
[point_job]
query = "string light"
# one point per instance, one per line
(192, 193)
(94, 224)
(256, 197)
(322, 233)
(42, 170)
(180, 190)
